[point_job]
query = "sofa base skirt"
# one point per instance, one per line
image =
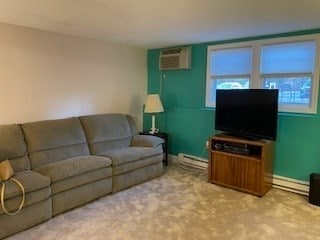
(136, 176)
(80, 195)
(28, 217)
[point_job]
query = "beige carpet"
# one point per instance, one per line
(182, 205)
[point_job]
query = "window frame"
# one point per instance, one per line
(257, 79)
(210, 78)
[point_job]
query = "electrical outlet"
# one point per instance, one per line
(207, 144)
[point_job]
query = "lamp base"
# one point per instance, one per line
(153, 129)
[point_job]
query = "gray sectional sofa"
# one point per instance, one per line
(68, 162)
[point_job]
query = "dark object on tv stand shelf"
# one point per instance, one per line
(236, 150)
(314, 191)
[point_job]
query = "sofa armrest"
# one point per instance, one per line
(146, 141)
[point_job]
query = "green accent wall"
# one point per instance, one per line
(190, 123)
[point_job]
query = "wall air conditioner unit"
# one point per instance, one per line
(175, 58)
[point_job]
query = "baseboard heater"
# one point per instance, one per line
(291, 185)
(193, 161)
(284, 183)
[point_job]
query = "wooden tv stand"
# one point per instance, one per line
(241, 164)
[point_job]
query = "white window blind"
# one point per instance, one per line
(296, 57)
(229, 62)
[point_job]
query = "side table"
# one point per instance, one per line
(165, 137)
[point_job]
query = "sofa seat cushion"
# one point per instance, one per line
(130, 154)
(30, 180)
(142, 163)
(37, 189)
(31, 198)
(82, 179)
(60, 170)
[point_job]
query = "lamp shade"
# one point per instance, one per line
(153, 104)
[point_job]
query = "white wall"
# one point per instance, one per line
(45, 75)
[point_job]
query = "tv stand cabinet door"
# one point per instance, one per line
(237, 172)
(247, 175)
(222, 169)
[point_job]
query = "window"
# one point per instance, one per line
(289, 67)
(229, 68)
(288, 64)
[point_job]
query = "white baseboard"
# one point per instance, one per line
(290, 184)
(284, 183)
(190, 160)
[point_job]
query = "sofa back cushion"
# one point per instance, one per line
(54, 140)
(108, 131)
(132, 124)
(13, 147)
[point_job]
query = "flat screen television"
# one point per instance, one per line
(249, 113)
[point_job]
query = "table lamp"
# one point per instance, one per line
(153, 105)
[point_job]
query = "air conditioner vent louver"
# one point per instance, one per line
(170, 62)
(175, 58)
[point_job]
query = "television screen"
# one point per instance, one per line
(248, 113)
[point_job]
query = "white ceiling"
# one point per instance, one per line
(161, 23)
